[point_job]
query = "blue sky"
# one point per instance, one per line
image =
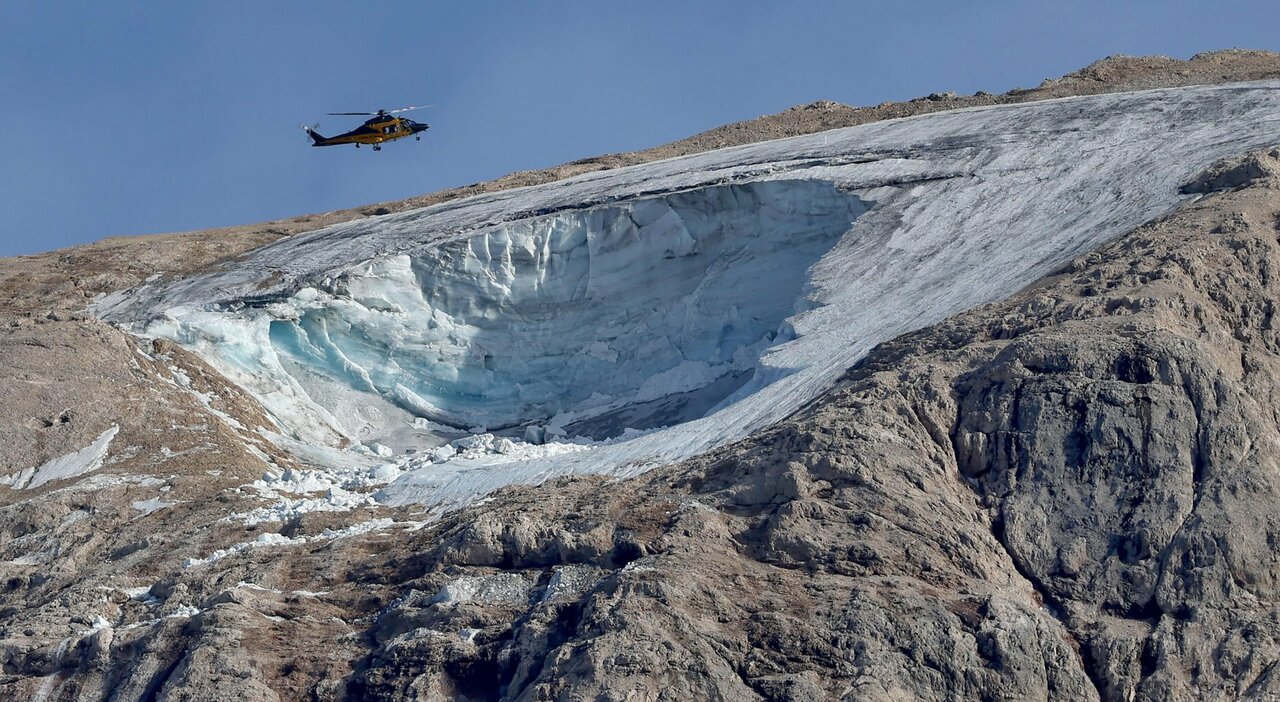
(143, 117)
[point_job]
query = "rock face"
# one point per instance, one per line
(1070, 494)
(1063, 495)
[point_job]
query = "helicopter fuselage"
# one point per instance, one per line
(374, 131)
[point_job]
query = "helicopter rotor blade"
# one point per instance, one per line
(351, 113)
(406, 109)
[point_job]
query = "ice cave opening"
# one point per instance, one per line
(638, 314)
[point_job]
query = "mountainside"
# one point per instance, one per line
(259, 480)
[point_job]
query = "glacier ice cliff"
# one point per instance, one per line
(630, 316)
(711, 294)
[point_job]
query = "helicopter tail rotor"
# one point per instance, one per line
(316, 137)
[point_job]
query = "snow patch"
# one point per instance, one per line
(183, 612)
(152, 505)
(571, 582)
(274, 539)
(86, 460)
(295, 492)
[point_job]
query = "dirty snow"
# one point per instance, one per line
(274, 539)
(71, 465)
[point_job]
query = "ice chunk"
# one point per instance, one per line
(442, 454)
(481, 442)
(504, 446)
(534, 434)
(384, 473)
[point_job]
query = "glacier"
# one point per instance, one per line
(578, 319)
(696, 299)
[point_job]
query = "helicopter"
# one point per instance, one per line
(382, 126)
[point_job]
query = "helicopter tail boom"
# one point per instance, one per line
(317, 137)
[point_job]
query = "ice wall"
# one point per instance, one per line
(636, 315)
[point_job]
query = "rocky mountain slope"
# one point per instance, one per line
(1065, 493)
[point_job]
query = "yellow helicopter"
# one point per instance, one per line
(381, 127)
